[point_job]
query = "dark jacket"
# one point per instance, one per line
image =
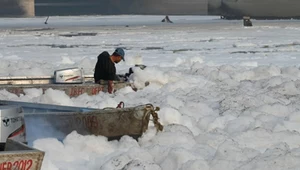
(105, 69)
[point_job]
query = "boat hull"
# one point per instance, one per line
(111, 123)
(20, 156)
(72, 90)
(18, 85)
(45, 120)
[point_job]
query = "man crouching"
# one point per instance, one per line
(105, 68)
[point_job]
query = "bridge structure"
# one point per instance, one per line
(29, 8)
(230, 9)
(17, 8)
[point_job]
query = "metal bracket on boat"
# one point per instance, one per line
(149, 109)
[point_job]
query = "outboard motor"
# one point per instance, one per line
(130, 71)
(69, 76)
(12, 124)
(247, 22)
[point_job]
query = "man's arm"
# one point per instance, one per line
(111, 82)
(111, 78)
(110, 86)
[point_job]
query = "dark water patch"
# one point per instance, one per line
(190, 49)
(35, 29)
(78, 34)
(119, 45)
(55, 45)
(252, 52)
(153, 48)
(113, 45)
(69, 46)
(181, 50)
(248, 52)
(282, 45)
(288, 45)
(266, 46)
(271, 51)
(207, 40)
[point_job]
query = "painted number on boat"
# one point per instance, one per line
(76, 91)
(90, 122)
(96, 90)
(16, 165)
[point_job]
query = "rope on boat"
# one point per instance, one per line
(150, 110)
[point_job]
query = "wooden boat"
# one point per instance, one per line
(18, 85)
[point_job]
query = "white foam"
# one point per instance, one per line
(220, 110)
